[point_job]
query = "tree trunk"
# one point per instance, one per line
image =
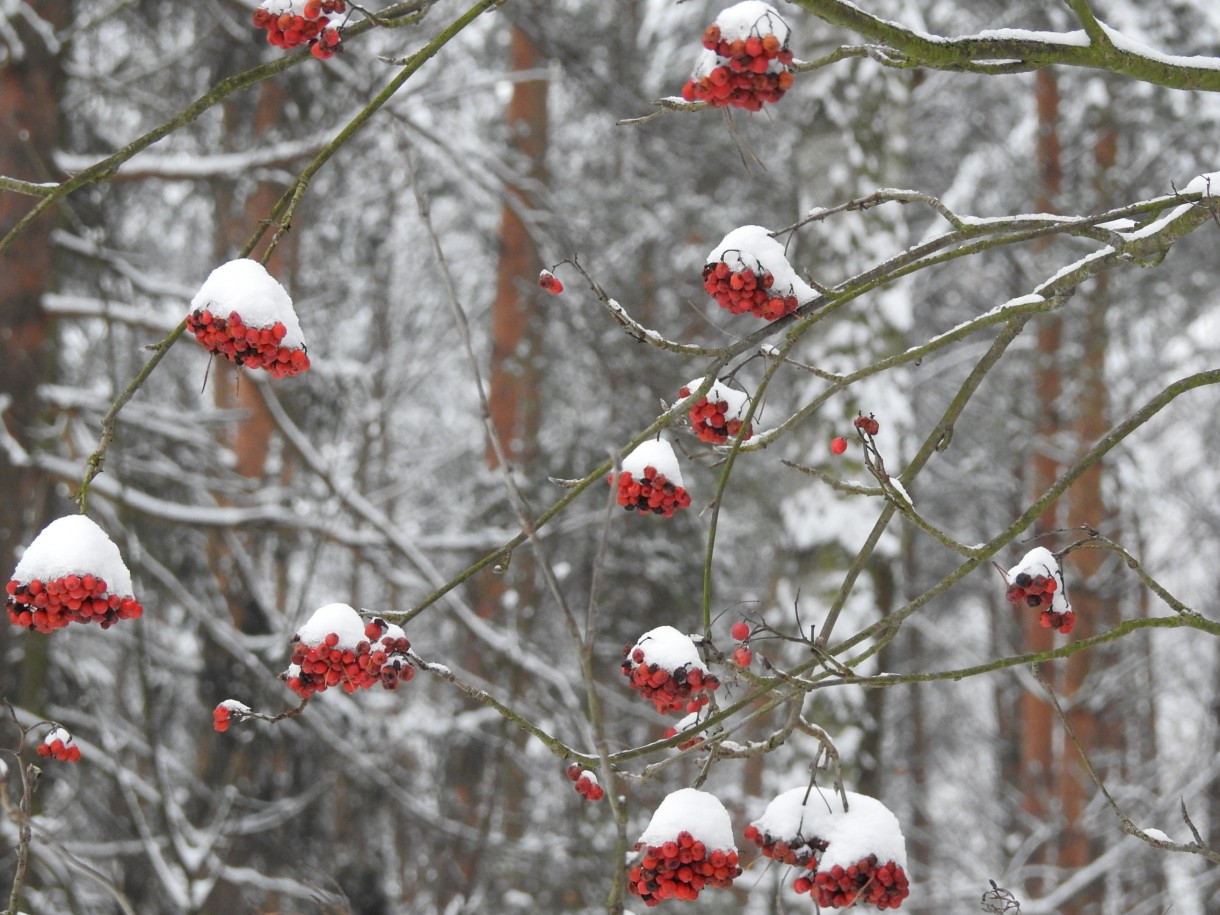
(30, 83)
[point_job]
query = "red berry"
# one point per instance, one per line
(743, 656)
(741, 630)
(549, 282)
(838, 445)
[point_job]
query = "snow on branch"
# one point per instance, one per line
(996, 51)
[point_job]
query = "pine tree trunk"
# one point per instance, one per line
(30, 85)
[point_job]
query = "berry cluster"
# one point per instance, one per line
(381, 657)
(867, 424)
(746, 63)
(686, 687)
(45, 606)
(1035, 582)
(866, 881)
(58, 744)
(679, 869)
(716, 416)
(1039, 591)
(254, 347)
(742, 654)
(290, 23)
(797, 852)
(747, 290)
(587, 785)
(550, 282)
(653, 492)
(229, 712)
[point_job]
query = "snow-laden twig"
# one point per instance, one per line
(1198, 847)
(1016, 50)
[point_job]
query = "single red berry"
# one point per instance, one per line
(743, 656)
(741, 630)
(549, 282)
(838, 445)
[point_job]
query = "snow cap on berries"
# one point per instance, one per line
(74, 545)
(244, 286)
(694, 811)
(666, 647)
(866, 828)
(753, 248)
(656, 453)
(752, 18)
(339, 619)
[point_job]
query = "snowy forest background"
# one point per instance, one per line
(241, 504)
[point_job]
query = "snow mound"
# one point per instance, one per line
(74, 545)
(690, 810)
(244, 286)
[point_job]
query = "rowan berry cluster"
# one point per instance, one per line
(679, 869)
(58, 744)
(797, 851)
(254, 347)
(882, 885)
(586, 782)
(716, 416)
(45, 606)
(380, 657)
(867, 424)
(747, 290)
(550, 282)
(291, 23)
(746, 62)
(1035, 583)
(669, 686)
(229, 712)
(653, 492)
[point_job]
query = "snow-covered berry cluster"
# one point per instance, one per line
(664, 667)
(292, 23)
(337, 648)
(242, 313)
(58, 744)
(845, 856)
(229, 712)
(651, 481)
(745, 62)
(748, 272)
(1037, 582)
(586, 782)
(550, 282)
(717, 415)
(687, 847)
(867, 424)
(72, 572)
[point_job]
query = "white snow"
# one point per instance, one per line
(244, 286)
(737, 401)
(656, 453)
(1156, 834)
(697, 812)
(753, 248)
(340, 619)
(74, 545)
(1203, 184)
(1041, 561)
(867, 828)
(58, 733)
(752, 18)
(279, 7)
(668, 648)
(236, 707)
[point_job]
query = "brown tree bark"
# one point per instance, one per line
(30, 81)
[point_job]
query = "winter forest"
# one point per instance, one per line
(506, 456)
